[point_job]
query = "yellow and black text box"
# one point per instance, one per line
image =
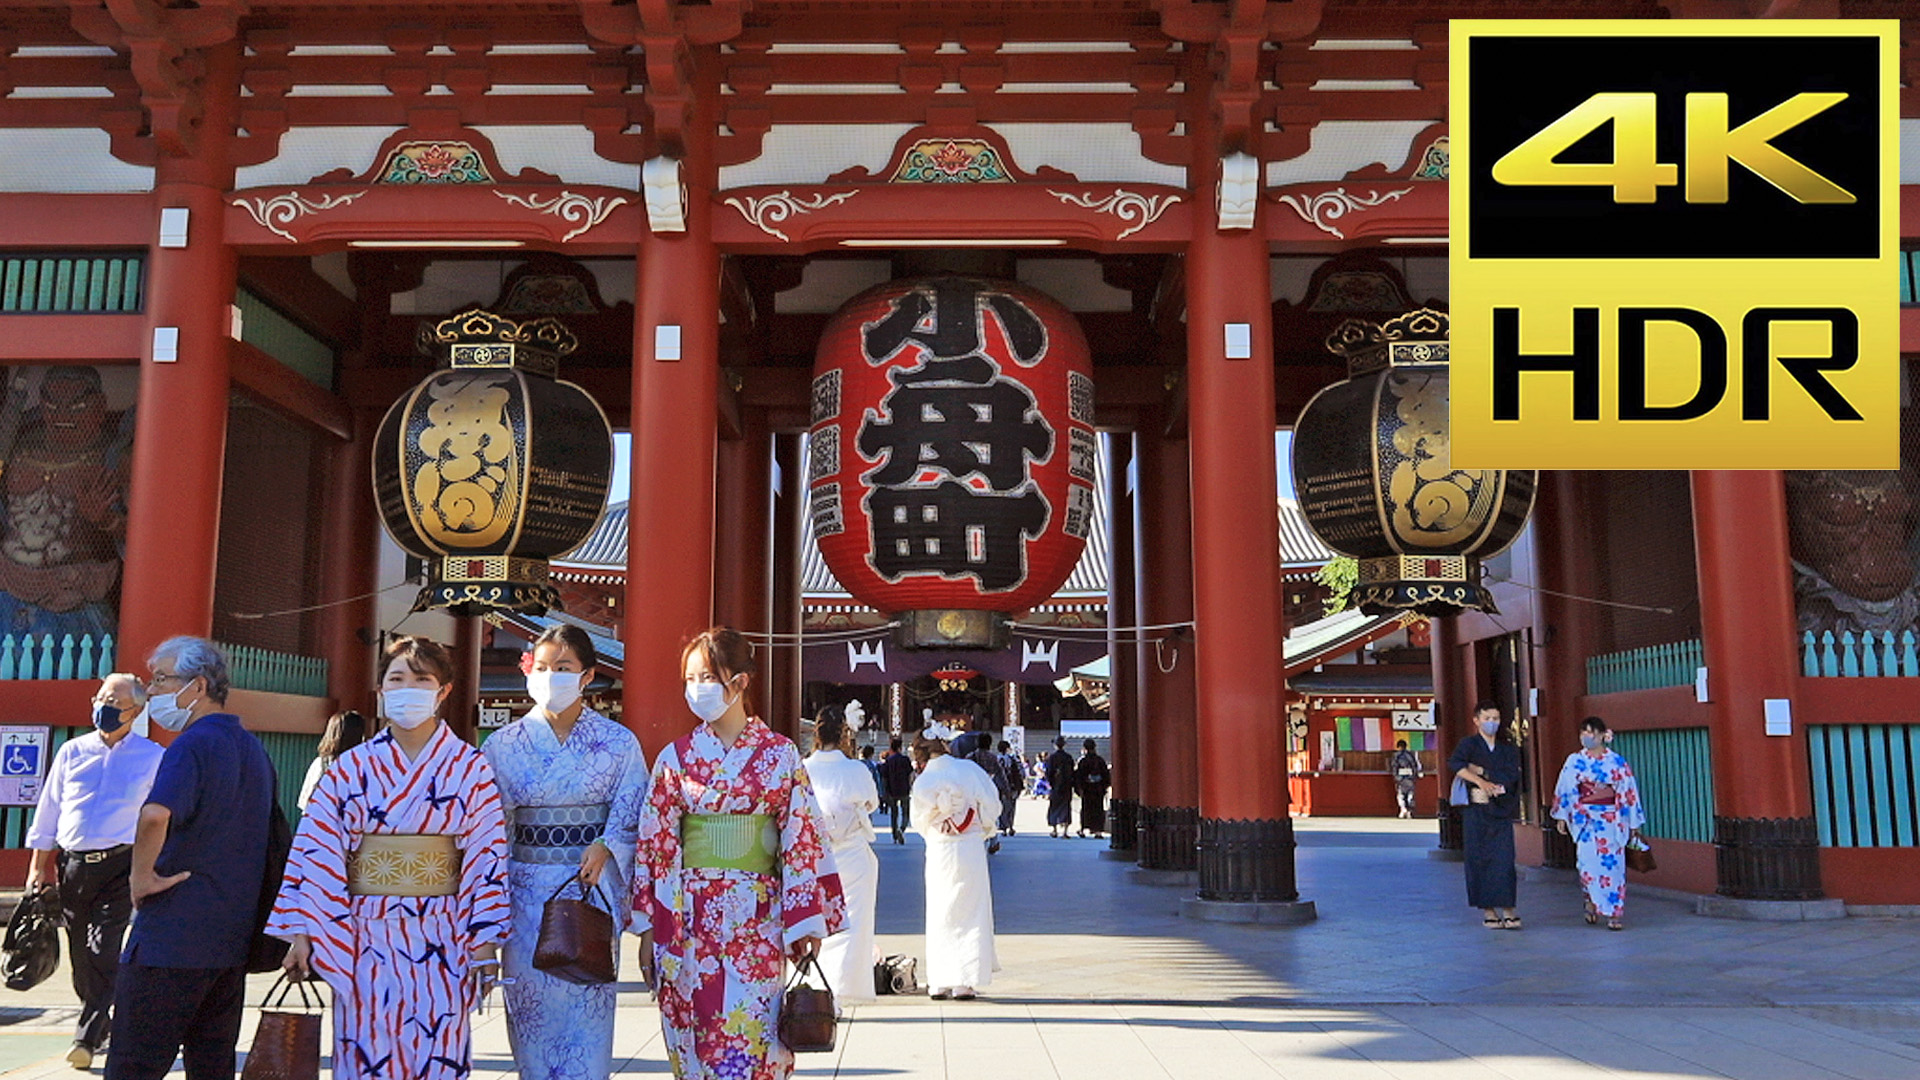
(1675, 244)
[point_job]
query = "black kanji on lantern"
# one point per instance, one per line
(945, 318)
(953, 530)
(955, 414)
(988, 428)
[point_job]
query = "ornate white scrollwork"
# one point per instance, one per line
(666, 196)
(1323, 209)
(767, 211)
(1239, 191)
(271, 214)
(1142, 210)
(569, 206)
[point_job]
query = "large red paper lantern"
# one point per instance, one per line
(952, 453)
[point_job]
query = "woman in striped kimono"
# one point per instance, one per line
(571, 784)
(731, 874)
(396, 889)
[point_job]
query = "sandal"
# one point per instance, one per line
(1511, 922)
(1592, 914)
(1490, 921)
(1616, 924)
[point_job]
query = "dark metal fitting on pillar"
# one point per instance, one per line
(1126, 825)
(1452, 836)
(1248, 862)
(1557, 849)
(1169, 838)
(1767, 858)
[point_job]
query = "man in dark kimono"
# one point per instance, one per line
(1059, 789)
(896, 777)
(1091, 779)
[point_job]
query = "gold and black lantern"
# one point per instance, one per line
(491, 466)
(1372, 470)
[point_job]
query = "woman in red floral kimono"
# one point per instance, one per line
(731, 874)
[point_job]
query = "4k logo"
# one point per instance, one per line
(1674, 244)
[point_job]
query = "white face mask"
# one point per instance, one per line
(708, 700)
(166, 710)
(554, 691)
(1591, 740)
(409, 706)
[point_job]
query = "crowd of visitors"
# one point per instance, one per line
(418, 878)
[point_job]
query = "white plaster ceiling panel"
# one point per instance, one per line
(1074, 282)
(66, 160)
(447, 285)
(306, 152)
(1096, 153)
(809, 153)
(825, 284)
(1338, 147)
(566, 152)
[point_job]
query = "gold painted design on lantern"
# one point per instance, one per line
(468, 489)
(1434, 504)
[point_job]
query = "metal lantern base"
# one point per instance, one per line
(1247, 862)
(1169, 838)
(477, 586)
(1124, 839)
(1767, 858)
(952, 628)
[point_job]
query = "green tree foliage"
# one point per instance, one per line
(1339, 576)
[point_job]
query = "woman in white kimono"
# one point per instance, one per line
(844, 789)
(572, 785)
(1597, 802)
(396, 889)
(954, 808)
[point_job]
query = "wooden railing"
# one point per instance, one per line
(49, 656)
(1866, 784)
(56, 283)
(1868, 655)
(250, 668)
(1674, 769)
(1644, 669)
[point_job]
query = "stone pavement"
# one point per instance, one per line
(1397, 980)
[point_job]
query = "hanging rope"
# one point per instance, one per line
(1582, 599)
(316, 607)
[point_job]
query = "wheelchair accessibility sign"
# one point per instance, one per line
(23, 763)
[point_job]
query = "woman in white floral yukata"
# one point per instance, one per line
(1598, 803)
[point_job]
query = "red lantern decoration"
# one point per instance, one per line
(952, 453)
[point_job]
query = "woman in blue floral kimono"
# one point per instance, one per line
(572, 784)
(1598, 803)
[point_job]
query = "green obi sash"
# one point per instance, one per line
(749, 842)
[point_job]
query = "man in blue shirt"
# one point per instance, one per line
(198, 861)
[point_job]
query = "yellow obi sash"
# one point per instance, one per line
(404, 864)
(749, 842)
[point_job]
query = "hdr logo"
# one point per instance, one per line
(1674, 244)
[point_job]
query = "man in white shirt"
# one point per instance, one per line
(82, 841)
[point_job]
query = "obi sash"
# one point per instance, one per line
(749, 842)
(404, 864)
(1592, 793)
(556, 835)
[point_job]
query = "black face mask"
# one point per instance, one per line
(106, 718)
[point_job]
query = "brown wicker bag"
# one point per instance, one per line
(576, 938)
(806, 1014)
(286, 1045)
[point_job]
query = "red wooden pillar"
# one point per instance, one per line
(180, 436)
(782, 665)
(350, 529)
(1453, 698)
(1163, 579)
(1566, 630)
(1123, 702)
(742, 532)
(1768, 848)
(1246, 839)
(670, 515)
(462, 712)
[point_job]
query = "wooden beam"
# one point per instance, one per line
(278, 386)
(73, 339)
(291, 286)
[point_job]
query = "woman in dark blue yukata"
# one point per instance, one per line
(1486, 767)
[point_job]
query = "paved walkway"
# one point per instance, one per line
(1397, 981)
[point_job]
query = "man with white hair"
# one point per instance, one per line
(82, 842)
(199, 859)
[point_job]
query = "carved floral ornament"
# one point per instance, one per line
(1128, 206)
(1323, 209)
(765, 212)
(582, 211)
(271, 213)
